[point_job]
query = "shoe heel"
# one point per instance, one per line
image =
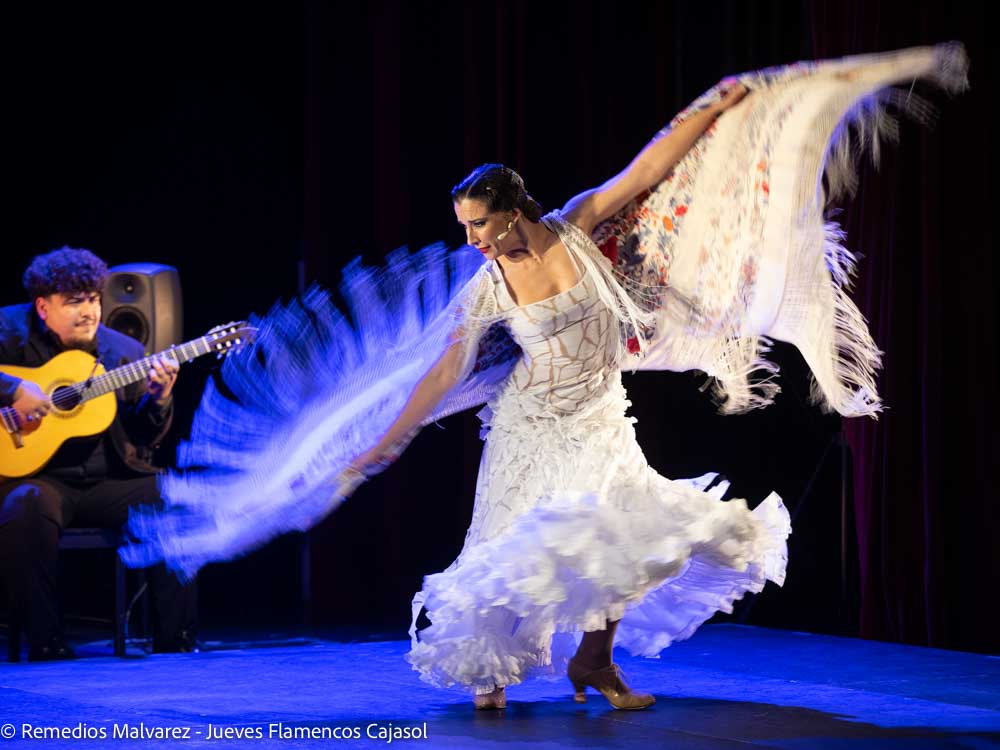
(579, 692)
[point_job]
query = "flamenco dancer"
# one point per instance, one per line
(710, 243)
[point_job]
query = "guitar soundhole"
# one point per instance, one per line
(65, 398)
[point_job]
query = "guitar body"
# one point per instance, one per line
(40, 440)
(83, 396)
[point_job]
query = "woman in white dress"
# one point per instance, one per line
(712, 241)
(571, 527)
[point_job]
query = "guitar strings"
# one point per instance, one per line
(69, 396)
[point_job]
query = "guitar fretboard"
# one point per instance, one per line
(135, 371)
(222, 340)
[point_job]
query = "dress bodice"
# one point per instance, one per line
(568, 347)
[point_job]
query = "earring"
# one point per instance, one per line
(510, 225)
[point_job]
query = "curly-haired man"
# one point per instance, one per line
(90, 481)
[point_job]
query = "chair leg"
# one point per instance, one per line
(142, 580)
(120, 607)
(14, 639)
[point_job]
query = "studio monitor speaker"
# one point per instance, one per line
(143, 300)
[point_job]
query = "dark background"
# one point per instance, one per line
(257, 148)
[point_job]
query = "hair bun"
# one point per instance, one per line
(501, 188)
(531, 208)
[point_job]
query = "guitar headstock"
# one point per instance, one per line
(231, 337)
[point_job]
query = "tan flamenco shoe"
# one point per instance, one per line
(490, 701)
(610, 683)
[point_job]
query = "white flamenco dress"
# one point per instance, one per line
(571, 526)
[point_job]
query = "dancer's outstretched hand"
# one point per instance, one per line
(373, 462)
(347, 482)
(383, 455)
(732, 92)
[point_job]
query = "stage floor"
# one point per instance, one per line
(729, 686)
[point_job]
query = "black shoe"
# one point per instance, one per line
(55, 649)
(183, 643)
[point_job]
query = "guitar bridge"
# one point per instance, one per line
(10, 422)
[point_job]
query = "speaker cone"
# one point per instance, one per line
(131, 322)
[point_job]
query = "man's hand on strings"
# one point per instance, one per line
(161, 378)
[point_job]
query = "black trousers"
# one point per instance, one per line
(33, 514)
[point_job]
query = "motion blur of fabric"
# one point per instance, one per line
(731, 249)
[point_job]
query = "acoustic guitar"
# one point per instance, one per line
(83, 397)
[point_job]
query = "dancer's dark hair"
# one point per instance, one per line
(501, 188)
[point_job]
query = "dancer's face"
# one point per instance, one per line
(482, 227)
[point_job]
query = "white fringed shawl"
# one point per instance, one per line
(737, 229)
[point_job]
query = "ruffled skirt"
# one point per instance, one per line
(572, 528)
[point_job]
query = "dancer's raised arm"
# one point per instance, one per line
(590, 208)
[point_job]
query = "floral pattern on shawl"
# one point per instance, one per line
(640, 239)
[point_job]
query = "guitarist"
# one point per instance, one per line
(90, 481)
